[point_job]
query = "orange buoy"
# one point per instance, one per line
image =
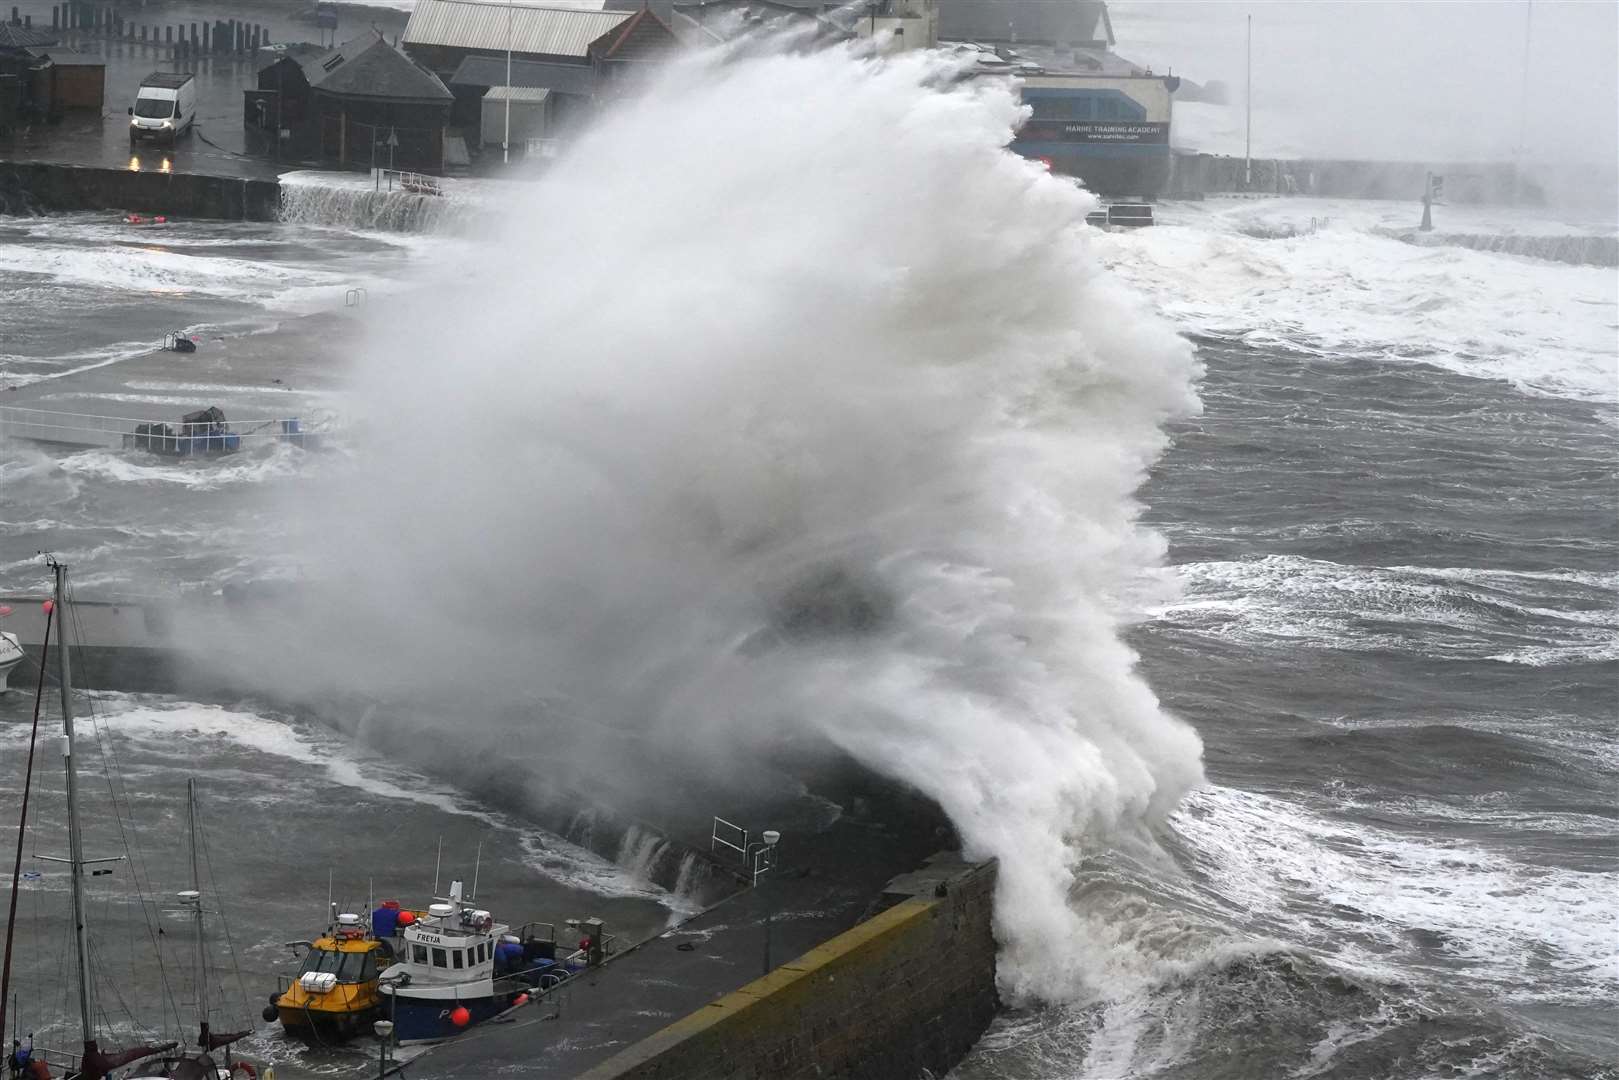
(407, 918)
(460, 1017)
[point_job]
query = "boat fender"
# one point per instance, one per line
(252, 1073)
(270, 1013)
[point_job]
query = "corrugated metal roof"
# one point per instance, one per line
(554, 30)
(24, 37)
(517, 93)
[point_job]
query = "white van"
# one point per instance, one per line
(165, 107)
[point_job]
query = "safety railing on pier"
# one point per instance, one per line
(117, 432)
(412, 183)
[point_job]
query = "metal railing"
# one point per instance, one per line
(61, 1062)
(729, 835)
(115, 432)
(412, 182)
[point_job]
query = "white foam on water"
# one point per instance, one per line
(76, 363)
(175, 727)
(1345, 290)
(949, 429)
(211, 388)
(1453, 612)
(579, 868)
(255, 466)
(1364, 895)
(158, 272)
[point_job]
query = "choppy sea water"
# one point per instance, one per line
(1394, 525)
(1395, 528)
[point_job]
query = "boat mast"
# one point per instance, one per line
(75, 841)
(196, 900)
(22, 819)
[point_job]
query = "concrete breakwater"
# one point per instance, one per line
(35, 187)
(30, 188)
(905, 993)
(138, 648)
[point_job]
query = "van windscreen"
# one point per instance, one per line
(154, 108)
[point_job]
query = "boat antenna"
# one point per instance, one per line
(475, 866)
(331, 908)
(22, 826)
(438, 860)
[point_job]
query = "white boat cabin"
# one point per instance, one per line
(448, 946)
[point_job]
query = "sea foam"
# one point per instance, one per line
(789, 408)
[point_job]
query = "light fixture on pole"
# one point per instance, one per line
(384, 1030)
(771, 838)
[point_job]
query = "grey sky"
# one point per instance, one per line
(1381, 79)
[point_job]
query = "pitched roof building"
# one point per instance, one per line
(343, 104)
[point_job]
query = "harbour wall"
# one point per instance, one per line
(35, 187)
(905, 993)
(1195, 175)
(138, 648)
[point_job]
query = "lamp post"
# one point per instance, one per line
(506, 137)
(771, 838)
(1248, 124)
(384, 1030)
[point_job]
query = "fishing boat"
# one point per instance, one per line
(334, 994)
(457, 967)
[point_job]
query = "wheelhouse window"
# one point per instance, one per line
(349, 967)
(455, 955)
(439, 959)
(418, 954)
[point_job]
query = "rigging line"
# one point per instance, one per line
(107, 981)
(138, 866)
(224, 921)
(22, 825)
(107, 746)
(103, 739)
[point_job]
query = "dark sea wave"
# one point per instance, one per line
(1396, 637)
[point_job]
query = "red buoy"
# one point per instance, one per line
(5, 609)
(407, 918)
(460, 1017)
(161, 220)
(48, 606)
(522, 999)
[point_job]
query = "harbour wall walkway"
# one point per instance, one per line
(32, 187)
(905, 993)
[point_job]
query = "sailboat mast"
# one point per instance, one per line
(22, 827)
(196, 887)
(75, 840)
